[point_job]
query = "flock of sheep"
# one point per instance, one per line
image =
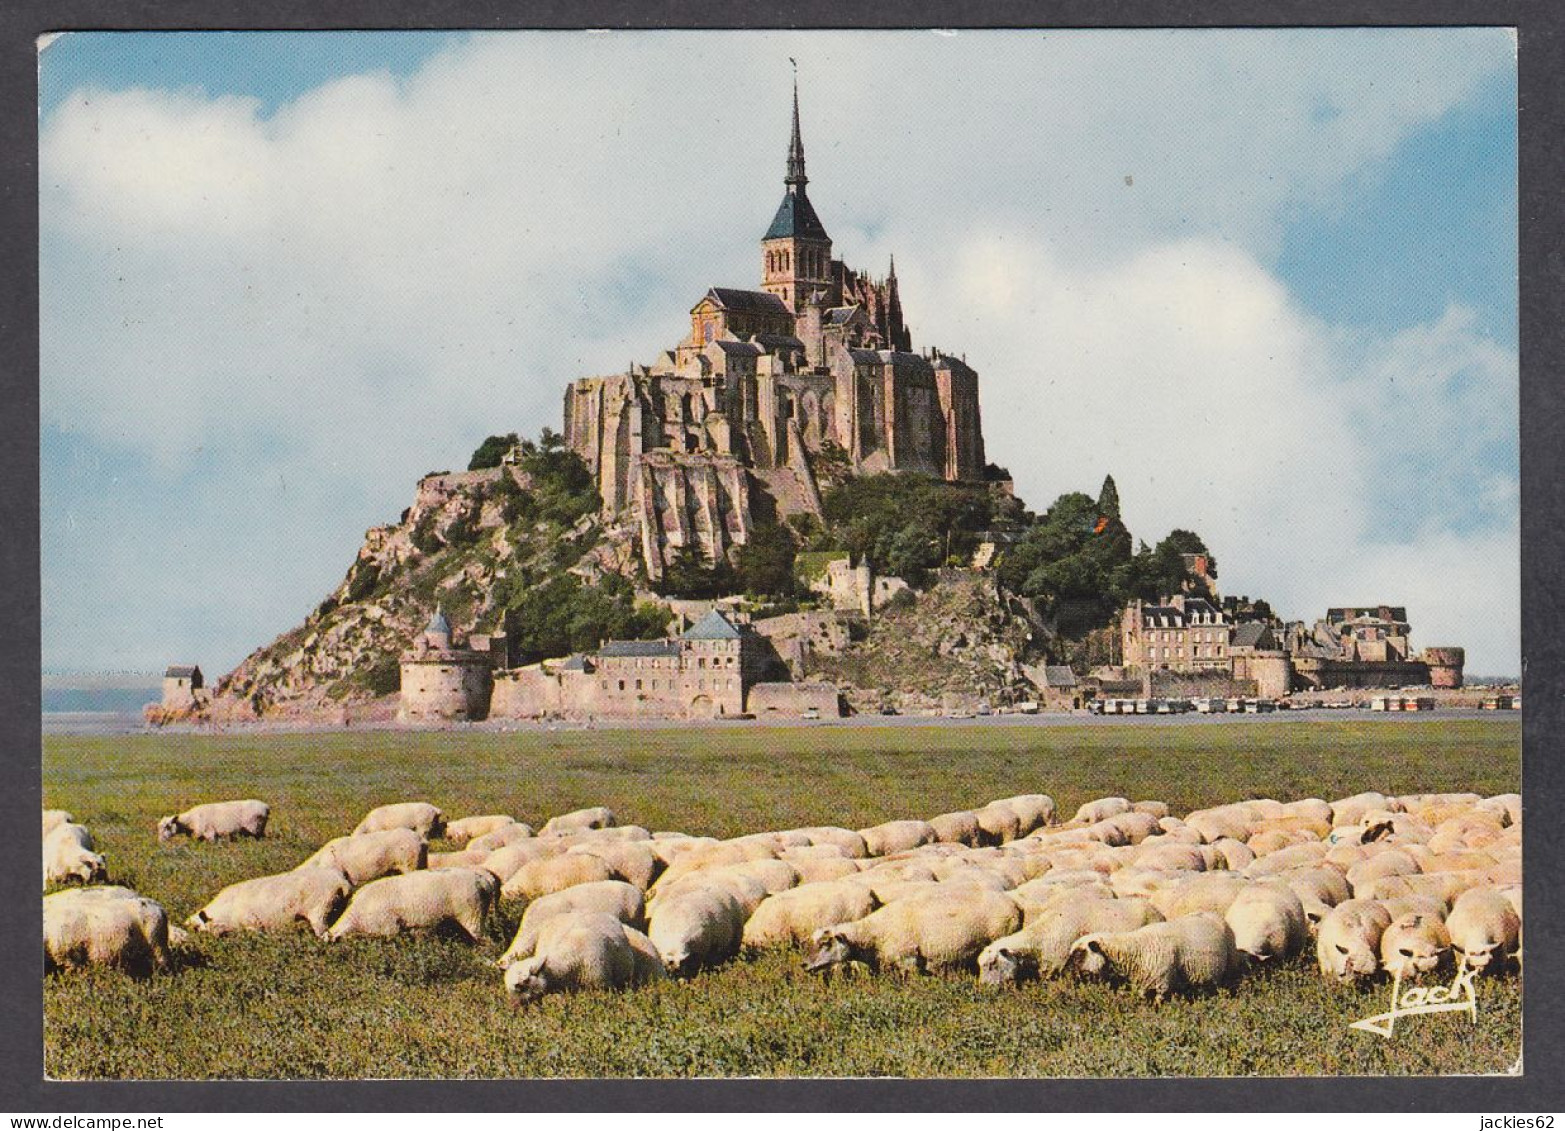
(1122, 891)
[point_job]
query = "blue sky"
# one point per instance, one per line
(284, 274)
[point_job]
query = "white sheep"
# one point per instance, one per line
(897, 836)
(465, 858)
(312, 896)
(632, 861)
(584, 951)
(1201, 891)
(514, 833)
(1347, 942)
(218, 819)
(420, 816)
(998, 823)
(1043, 946)
(597, 817)
(387, 907)
(790, 918)
(937, 930)
(506, 861)
(466, 828)
(609, 897)
(54, 818)
(68, 855)
(1037, 810)
(1351, 810)
(696, 927)
(1190, 953)
(815, 870)
(1484, 928)
(1413, 945)
(369, 856)
(851, 843)
(1267, 920)
(747, 890)
(106, 926)
(550, 874)
(959, 827)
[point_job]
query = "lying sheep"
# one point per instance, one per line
(68, 855)
(387, 907)
(597, 817)
(369, 856)
(550, 874)
(922, 933)
(1484, 929)
(110, 926)
(312, 896)
(466, 828)
(1347, 942)
(897, 836)
(608, 897)
(1267, 920)
(1043, 946)
(54, 818)
(791, 918)
(695, 928)
(588, 951)
(1413, 945)
(217, 819)
(420, 816)
(1188, 953)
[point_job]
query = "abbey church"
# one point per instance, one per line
(730, 425)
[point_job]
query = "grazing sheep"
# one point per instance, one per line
(110, 926)
(54, 818)
(960, 827)
(1104, 807)
(505, 862)
(1306, 854)
(218, 819)
(1189, 953)
(465, 829)
(502, 837)
(1413, 945)
(1043, 946)
(696, 927)
(609, 897)
(1444, 886)
(1037, 810)
(576, 820)
(897, 836)
(68, 855)
(822, 869)
(387, 907)
(1206, 891)
(583, 951)
(1219, 824)
(369, 856)
(851, 843)
(1503, 805)
(1272, 840)
(550, 874)
(748, 891)
(631, 860)
(1158, 809)
(1347, 944)
(420, 816)
(998, 823)
(791, 917)
(466, 858)
(1267, 921)
(1392, 862)
(1484, 928)
(1235, 854)
(1351, 810)
(312, 896)
(1169, 857)
(940, 930)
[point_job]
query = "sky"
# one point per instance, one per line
(1266, 278)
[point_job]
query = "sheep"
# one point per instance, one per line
(54, 818)
(466, 858)
(1312, 808)
(466, 828)
(1236, 855)
(897, 836)
(111, 926)
(505, 862)
(998, 823)
(1503, 805)
(790, 918)
(632, 861)
(696, 928)
(420, 816)
(556, 873)
(1094, 811)
(851, 843)
(583, 952)
(1351, 810)
(1484, 928)
(1444, 886)
(1169, 857)
(1304, 855)
(218, 819)
(1158, 809)
(387, 907)
(68, 855)
(939, 930)
(1318, 889)
(501, 837)
(1347, 943)
(1037, 810)
(1219, 824)
(960, 827)
(312, 896)
(747, 890)
(611, 897)
(1272, 840)
(1043, 945)
(1267, 921)
(815, 870)
(1206, 891)
(1392, 862)
(369, 856)
(578, 819)
(1190, 953)
(1414, 944)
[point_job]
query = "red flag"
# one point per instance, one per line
(1103, 524)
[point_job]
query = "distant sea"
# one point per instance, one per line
(94, 709)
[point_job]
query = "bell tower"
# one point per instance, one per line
(796, 251)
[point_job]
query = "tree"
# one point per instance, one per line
(1108, 498)
(489, 453)
(765, 563)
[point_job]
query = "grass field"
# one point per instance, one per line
(433, 1007)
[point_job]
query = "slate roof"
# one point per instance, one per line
(1251, 634)
(747, 302)
(575, 663)
(841, 315)
(796, 219)
(1058, 675)
(745, 349)
(438, 623)
(176, 671)
(713, 626)
(771, 343)
(640, 648)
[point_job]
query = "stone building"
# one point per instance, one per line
(708, 671)
(1183, 634)
(732, 420)
(443, 678)
(184, 688)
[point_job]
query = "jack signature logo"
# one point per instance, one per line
(1459, 996)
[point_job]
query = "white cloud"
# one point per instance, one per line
(359, 286)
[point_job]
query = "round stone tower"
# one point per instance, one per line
(442, 680)
(1445, 666)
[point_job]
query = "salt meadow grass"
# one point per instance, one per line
(275, 1006)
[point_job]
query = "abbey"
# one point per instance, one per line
(730, 425)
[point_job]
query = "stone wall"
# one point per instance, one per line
(452, 686)
(794, 699)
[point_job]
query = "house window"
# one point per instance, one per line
(622, 685)
(638, 685)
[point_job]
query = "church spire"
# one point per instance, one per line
(796, 175)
